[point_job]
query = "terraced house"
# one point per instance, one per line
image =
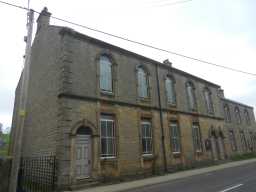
(105, 112)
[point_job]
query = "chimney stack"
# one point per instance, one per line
(167, 62)
(43, 20)
(221, 93)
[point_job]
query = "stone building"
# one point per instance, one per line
(107, 113)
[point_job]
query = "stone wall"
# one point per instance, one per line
(244, 126)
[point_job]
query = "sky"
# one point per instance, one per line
(219, 31)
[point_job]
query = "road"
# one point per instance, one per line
(236, 179)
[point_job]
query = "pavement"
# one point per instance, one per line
(184, 178)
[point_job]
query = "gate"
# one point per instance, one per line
(37, 174)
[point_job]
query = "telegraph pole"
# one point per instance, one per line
(23, 103)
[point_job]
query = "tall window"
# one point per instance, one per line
(197, 137)
(107, 131)
(247, 117)
(170, 91)
(191, 95)
(143, 83)
(227, 113)
(243, 140)
(106, 74)
(252, 141)
(175, 137)
(208, 100)
(232, 140)
(146, 131)
(238, 116)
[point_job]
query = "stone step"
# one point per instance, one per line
(84, 184)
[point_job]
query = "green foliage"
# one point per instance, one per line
(6, 139)
(239, 157)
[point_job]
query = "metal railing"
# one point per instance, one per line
(37, 174)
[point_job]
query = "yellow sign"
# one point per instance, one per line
(22, 113)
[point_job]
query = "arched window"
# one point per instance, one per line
(106, 83)
(238, 116)
(227, 113)
(247, 117)
(143, 83)
(191, 95)
(208, 100)
(170, 90)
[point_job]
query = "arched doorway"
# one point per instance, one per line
(83, 153)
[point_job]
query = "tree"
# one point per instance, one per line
(1, 128)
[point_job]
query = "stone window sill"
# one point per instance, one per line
(172, 105)
(148, 156)
(176, 154)
(108, 158)
(107, 93)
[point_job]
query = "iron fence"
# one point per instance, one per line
(37, 174)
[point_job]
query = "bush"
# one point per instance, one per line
(243, 156)
(4, 149)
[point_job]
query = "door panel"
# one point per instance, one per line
(83, 156)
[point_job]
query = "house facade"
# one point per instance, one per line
(108, 113)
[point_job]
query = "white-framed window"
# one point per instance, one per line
(106, 83)
(196, 133)
(107, 136)
(232, 140)
(247, 117)
(227, 113)
(238, 116)
(170, 90)
(143, 83)
(175, 137)
(190, 89)
(208, 101)
(146, 132)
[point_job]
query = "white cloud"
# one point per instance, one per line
(218, 31)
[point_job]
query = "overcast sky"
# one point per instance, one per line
(220, 31)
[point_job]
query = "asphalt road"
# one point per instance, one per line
(236, 179)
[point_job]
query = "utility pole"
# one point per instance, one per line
(23, 102)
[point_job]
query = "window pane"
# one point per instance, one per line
(208, 101)
(142, 83)
(110, 131)
(144, 145)
(103, 128)
(110, 144)
(105, 74)
(175, 137)
(191, 99)
(107, 136)
(169, 86)
(149, 145)
(103, 146)
(196, 137)
(146, 137)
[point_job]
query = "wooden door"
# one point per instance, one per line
(83, 156)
